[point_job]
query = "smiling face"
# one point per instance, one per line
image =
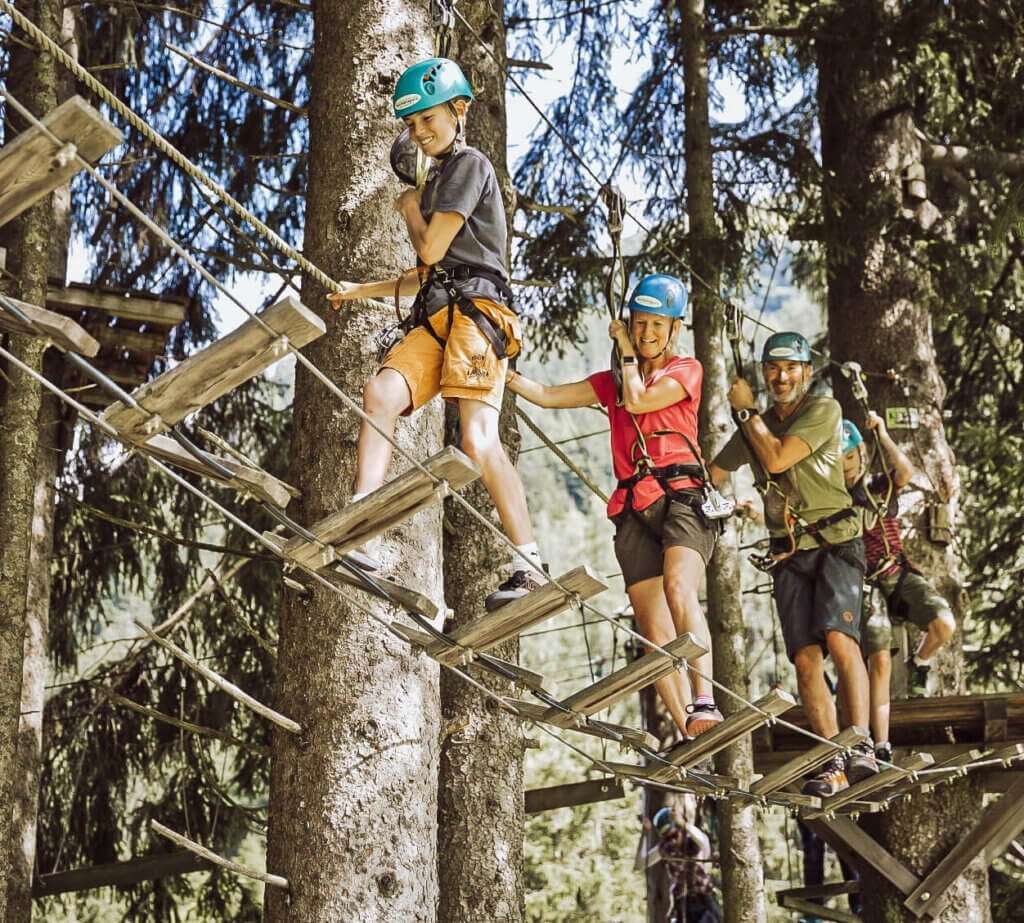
(434, 130)
(787, 380)
(651, 333)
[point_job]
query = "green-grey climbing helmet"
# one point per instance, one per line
(430, 83)
(851, 437)
(659, 294)
(786, 347)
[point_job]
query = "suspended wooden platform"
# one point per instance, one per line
(396, 501)
(115, 307)
(33, 165)
(61, 331)
(880, 780)
(215, 370)
(573, 794)
(807, 762)
(617, 733)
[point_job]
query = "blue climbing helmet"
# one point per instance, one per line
(851, 437)
(664, 821)
(660, 294)
(429, 83)
(787, 346)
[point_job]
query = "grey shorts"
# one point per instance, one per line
(911, 598)
(875, 627)
(641, 539)
(817, 591)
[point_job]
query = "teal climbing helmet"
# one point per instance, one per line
(429, 83)
(659, 294)
(851, 437)
(786, 347)
(664, 821)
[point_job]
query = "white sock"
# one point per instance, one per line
(531, 551)
(921, 661)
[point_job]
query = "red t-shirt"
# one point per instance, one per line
(663, 450)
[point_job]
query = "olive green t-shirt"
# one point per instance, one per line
(814, 486)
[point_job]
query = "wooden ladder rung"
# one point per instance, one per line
(61, 330)
(515, 617)
(396, 501)
(951, 768)
(817, 911)
(572, 794)
(623, 682)
(246, 478)
(32, 165)
(702, 783)
(215, 370)
(817, 756)
(735, 726)
(630, 737)
(874, 783)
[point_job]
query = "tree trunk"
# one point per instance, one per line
(879, 316)
(353, 799)
(480, 810)
(33, 79)
(739, 849)
(657, 721)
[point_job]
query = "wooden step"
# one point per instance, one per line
(718, 738)
(510, 620)
(246, 479)
(860, 791)
(33, 165)
(215, 370)
(396, 501)
(623, 682)
(57, 328)
(703, 783)
(807, 762)
(631, 737)
(572, 794)
(950, 769)
(156, 313)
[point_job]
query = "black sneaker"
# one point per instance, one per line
(829, 780)
(521, 583)
(917, 679)
(883, 752)
(861, 762)
(700, 718)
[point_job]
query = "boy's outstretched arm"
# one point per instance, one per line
(903, 468)
(432, 239)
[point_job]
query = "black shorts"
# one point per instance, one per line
(641, 539)
(817, 591)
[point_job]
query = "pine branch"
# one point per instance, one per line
(984, 160)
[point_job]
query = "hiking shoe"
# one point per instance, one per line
(829, 780)
(517, 586)
(861, 762)
(917, 679)
(883, 753)
(701, 717)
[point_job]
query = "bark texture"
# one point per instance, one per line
(878, 316)
(353, 800)
(740, 853)
(480, 809)
(33, 80)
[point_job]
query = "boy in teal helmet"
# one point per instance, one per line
(463, 328)
(817, 552)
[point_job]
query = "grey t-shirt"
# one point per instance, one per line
(467, 185)
(814, 486)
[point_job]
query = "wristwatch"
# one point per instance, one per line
(746, 413)
(629, 360)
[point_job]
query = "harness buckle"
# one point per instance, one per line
(715, 506)
(765, 563)
(388, 339)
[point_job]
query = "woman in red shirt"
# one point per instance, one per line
(662, 539)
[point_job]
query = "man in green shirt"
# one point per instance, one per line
(816, 551)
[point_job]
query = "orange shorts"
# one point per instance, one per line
(466, 367)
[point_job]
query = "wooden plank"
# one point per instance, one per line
(1001, 822)
(528, 679)
(630, 737)
(396, 501)
(394, 592)
(817, 911)
(154, 312)
(572, 794)
(905, 767)
(33, 165)
(1008, 832)
(623, 682)
(517, 616)
(809, 761)
(951, 769)
(252, 480)
(735, 726)
(830, 890)
(703, 783)
(120, 874)
(215, 370)
(61, 330)
(115, 341)
(861, 851)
